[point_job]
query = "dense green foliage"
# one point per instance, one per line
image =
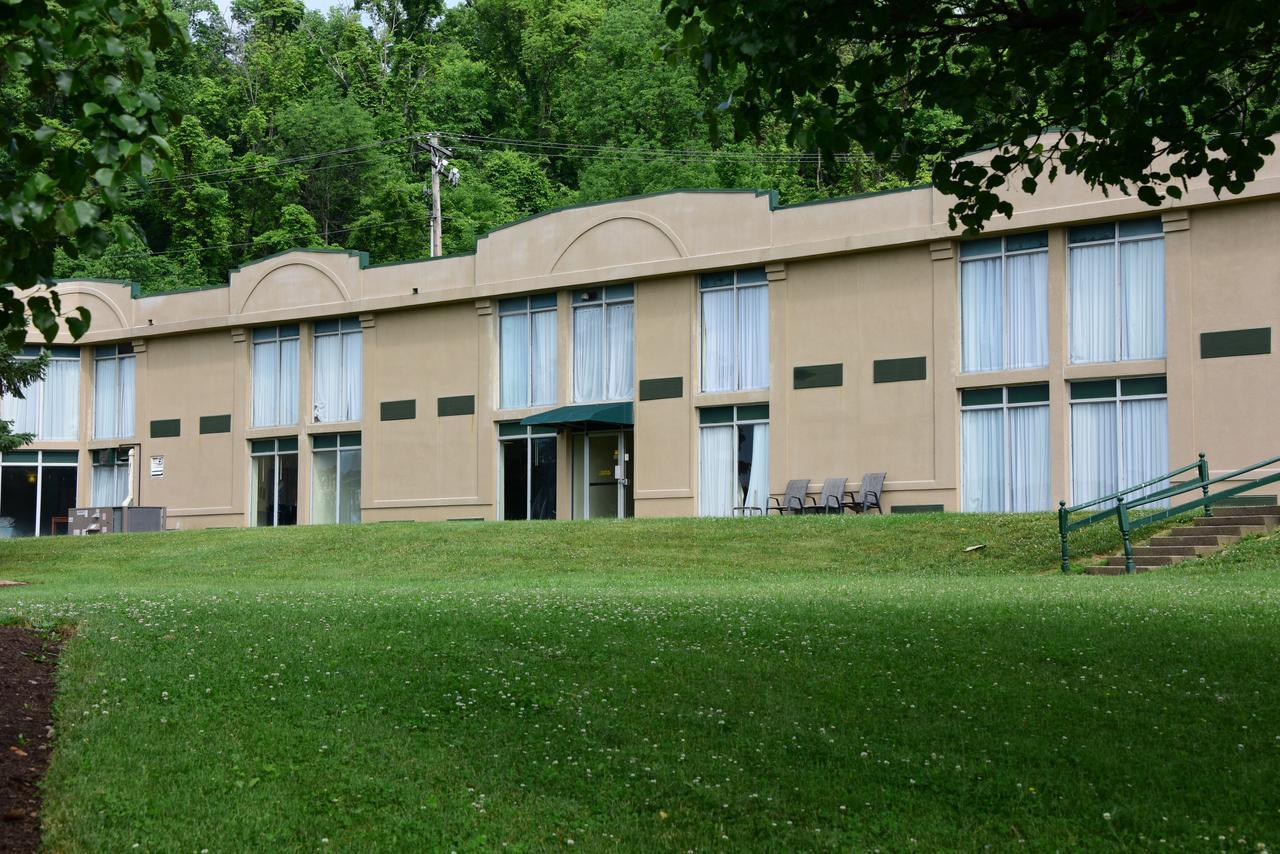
(827, 683)
(1155, 91)
(581, 87)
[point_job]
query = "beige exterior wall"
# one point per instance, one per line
(850, 282)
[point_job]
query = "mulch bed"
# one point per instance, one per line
(27, 660)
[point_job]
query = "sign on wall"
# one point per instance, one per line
(157, 466)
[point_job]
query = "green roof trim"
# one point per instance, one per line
(588, 416)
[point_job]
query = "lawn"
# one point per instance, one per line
(826, 683)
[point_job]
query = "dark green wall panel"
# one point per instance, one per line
(166, 428)
(215, 423)
(399, 410)
(463, 404)
(1235, 342)
(661, 388)
(818, 376)
(898, 370)
(916, 508)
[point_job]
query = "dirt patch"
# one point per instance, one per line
(26, 728)
(4, 583)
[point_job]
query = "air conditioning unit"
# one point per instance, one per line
(102, 457)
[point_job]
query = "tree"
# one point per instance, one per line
(1151, 92)
(80, 123)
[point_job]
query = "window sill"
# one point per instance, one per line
(1107, 370)
(725, 398)
(323, 427)
(271, 432)
(1010, 377)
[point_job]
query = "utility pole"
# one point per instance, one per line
(439, 163)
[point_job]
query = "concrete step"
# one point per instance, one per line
(1147, 560)
(1217, 530)
(1117, 570)
(1213, 521)
(1250, 510)
(1188, 551)
(1192, 541)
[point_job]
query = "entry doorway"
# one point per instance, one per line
(603, 471)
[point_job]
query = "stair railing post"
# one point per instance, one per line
(1122, 515)
(1062, 535)
(1203, 469)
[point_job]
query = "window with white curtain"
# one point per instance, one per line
(735, 330)
(733, 459)
(1004, 449)
(1004, 303)
(275, 376)
(114, 379)
(604, 343)
(1116, 291)
(1119, 436)
(335, 479)
(109, 485)
(337, 370)
(49, 408)
(527, 351)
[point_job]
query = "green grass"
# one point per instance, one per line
(826, 683)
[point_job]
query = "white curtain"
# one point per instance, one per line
(349, 486)
(542, 390)
(1028, 310)
(24, 412)
(324, 487)
(758, 484)
(717, 470)
(288, 401)
(982, 460)
(588, 353)
(326, 379)
(981, 335)
(1093, 304)
(622, 351)
(61, 400)
(352, 375)
(513, 333)
(1095, 457)
(275, 383)
(1142, 298)
(753, 337)
(718, 372)
(1145, 425)
(127, 378)
(109, 486)
(1029, 459)
(106, 396)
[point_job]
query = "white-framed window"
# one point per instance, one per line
(114, 379)
(1119, 436)
(337, 370)
(335, 479)
(735, 330)
(527, 351)
(1004, 449)
(604, 343)
(275, 376)
(1004, 303)
(1116, 291)
(733, 458)
(109, 486)
(273, 482)
(49, 408)
(37, 491)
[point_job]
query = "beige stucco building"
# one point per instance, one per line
(677, 354)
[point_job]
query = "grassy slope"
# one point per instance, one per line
(771, 684)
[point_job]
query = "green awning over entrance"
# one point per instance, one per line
(585, 416)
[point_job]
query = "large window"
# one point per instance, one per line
(1004, 303)
(604, 343)
(735, 330)
(527, 344)
(273, 491)
(335, 479)
(110, 478)
(49, 408)
(338, 375)
(733, 458)
(1116, 274)
(275, 375)
(528, 458)
(1119, 435)
(37, 491)
(114, 373)
(1004, 449)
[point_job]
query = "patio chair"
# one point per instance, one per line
(791, 500)
(868, 494)
(832, 498)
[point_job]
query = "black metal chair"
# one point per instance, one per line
(791, 500)
(832, 498)
(868, 494)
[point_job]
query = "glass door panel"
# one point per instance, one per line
(603, 455)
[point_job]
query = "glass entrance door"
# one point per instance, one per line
(602, 476)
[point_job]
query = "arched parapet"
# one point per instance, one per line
(109, 303)
(296, 279)
(618, 239)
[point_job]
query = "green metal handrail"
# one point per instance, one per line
(1203, 482)
(1066, 526)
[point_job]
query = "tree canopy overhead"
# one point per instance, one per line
(1151, 92)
